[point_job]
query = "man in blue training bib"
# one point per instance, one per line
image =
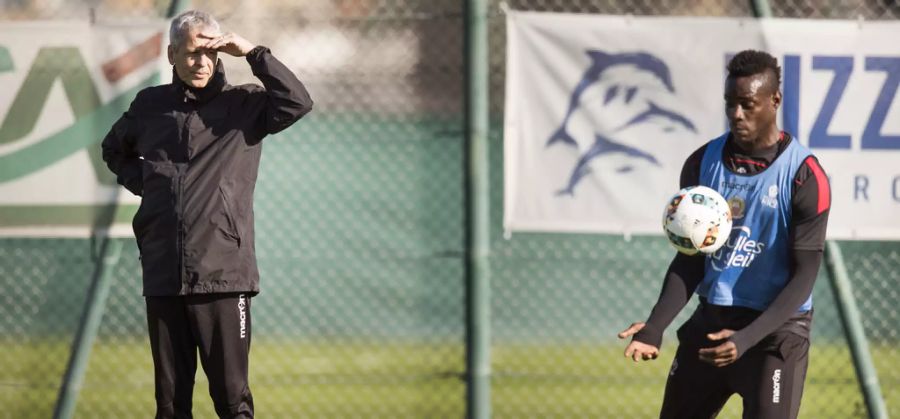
(750, 332)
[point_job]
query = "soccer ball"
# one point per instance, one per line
(697, 219)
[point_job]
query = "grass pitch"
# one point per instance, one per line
(293, 379)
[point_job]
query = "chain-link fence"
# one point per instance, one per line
(360, 226)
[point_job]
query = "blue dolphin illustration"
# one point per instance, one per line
(655, 110)
(600, 62)
(603, 142)
(602, 145)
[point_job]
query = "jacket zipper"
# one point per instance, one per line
(181, 268)
(181, 228)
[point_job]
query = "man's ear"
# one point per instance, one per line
(776, 99)
(170, 51)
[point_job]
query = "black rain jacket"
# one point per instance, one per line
(193, 156)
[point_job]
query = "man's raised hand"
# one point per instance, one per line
(229, 43)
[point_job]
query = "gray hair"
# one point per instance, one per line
(191, 19)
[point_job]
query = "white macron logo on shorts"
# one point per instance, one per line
(776, 386)
(241, 309)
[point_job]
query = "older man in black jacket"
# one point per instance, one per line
(191, 150)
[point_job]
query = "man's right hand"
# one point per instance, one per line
(638, 350)
(229, 43)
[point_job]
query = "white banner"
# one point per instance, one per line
(65, 83)
(602, 111)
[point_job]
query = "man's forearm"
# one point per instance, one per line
(684, 274)
(128, 171)
(785, 305)
(288, 99)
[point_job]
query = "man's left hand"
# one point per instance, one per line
(229, 43)
(723, 354)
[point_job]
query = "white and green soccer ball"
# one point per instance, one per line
(697, 219)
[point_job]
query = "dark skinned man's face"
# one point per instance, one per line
(751, 105)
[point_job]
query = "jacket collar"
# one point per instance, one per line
(205, 94)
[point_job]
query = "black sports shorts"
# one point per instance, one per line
(769, 377)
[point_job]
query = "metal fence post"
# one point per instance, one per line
(761, 8)
(176, 7)
(478, 360)
(853, 328)
(87, 327)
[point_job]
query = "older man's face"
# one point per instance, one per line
(194, 63)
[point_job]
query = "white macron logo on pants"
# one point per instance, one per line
(776, 386)
(241, 309)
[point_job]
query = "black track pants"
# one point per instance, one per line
(218, 327)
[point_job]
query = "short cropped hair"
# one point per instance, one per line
(192, 19)
(751, 62)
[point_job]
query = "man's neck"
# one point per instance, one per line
(763, 142)
(211, 89)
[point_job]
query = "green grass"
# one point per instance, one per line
(343, 379)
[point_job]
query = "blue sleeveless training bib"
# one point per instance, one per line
(754, 265)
